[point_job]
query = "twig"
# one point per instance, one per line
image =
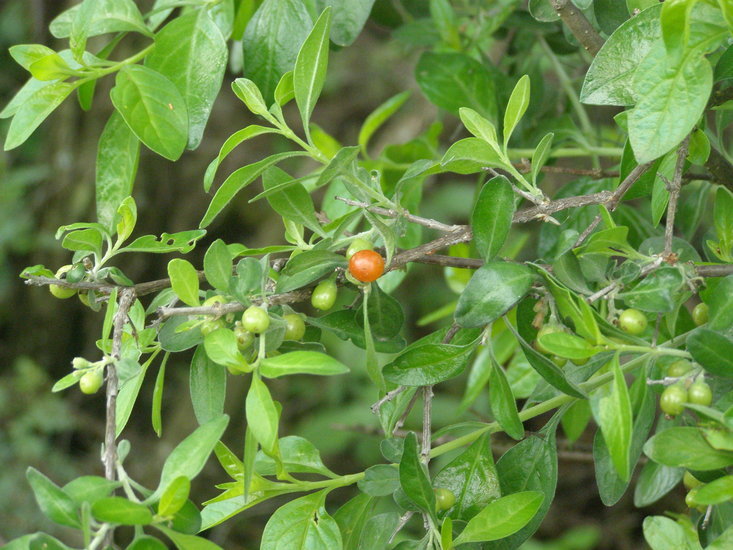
(577, 23)
(127, 297)
(389, 396)
(674, 193)
(390, 213)
(401, 421)
(427, 395)
(403, 521)
(587, 231)
(616, 285)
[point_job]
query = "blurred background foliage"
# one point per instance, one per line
(50, 182)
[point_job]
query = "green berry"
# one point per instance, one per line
(255, 319)
(91, 381)
(357, 245)
(62, 292)
(679, 368)
(632, 321)
(244, 337)
(700, 314)
(324, 295)
(673, 399)
(699, 393)
(294, 326)
(444, 499)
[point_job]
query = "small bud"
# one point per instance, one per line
(80, 363)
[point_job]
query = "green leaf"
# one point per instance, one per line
(427, 364)
(221, 347)
(311, 65)
(248, 92)
(174, 497)
(50, 67)
(723, 219)
(713, 350)
(121, 511)
(146, 543)
(501, 518)
(183, 242)
(126, 218)
(516, 107)
(492, 215)
(293, 203)
(89, 488)
(540, 155)
(675, 23)
(664, 533)
(218, 265)
(615, 419)
(673, 92)
(352, 517)
(157, 405)
(188, 542)
(262, 416)
(272, 40)
(42, 541)
(302, 524)
(685, 447)
(455, 80)
(715, 492)
(377, 532)
(385, 314)
(655, 481)
(567, 345)
(379, 116)
(27, 54)
(472, 478)
(301, 362)
(479, 126)
(609, 78)
(191, 454)
(184, 281)
(208, 383)
(105, 16)
(657, 293)
(238, 180)
(297, 455)
(284, 91)
(380, 480)
(503, 403)
(153, 108)
(491, 292)
(33, 111)
(55, 504)
(307, 267)
(84, 239)
(237, 138)
(192, 53)
(414, 478)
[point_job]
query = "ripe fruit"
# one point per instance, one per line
(673, 400)
(690, 482)
(699, 393)
(679, 368)
(294, 326)
(91, 381)
(700, 314)
(366, 266)
(324, 295)
(255, 319)
(444, 499)
(62, 292)
(632, 321)
(357, 245)
(545, 330)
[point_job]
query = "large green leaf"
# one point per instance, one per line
(272, 40)
(192, 53)
(503, 517)
(122, 511)
(472, 478)
(301, 362)
(615, 418)
(53, 502)
(491, 292)
(102, 17)
(262, 415)
(686, 447)
(153, 108)
(426, 364)
(713, 350)
(208, 384)
(664, 533)
(492, 216)
(348, 18)
(33, 111)
(117, 157)
(455, 80)
(302, 524)
(609, 78)
(414, 478)
(293, 203)
(311, 65)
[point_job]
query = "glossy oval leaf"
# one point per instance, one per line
(311, 64)
(302, 524)
(184, 281)
(428, 364)
(121, 511)
(301, 362)
(713, 350)
(491, 292)
(492, 216)
(686, 447)
(501, 518)
(153, 108)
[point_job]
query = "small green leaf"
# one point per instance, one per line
(516, 107)
(188, 542)
(470, 155)
(380, 480)
(307, 267)
(311, 64)
(713, 350)
(218, 265)
(502, 517)
(492, 215)
(715, 492)
(293, 203)
(183, 242)
(540, 155)
(426, 364)
(615, 418)
(121, 511)
(664, 533)
(184, 281)
(685, 447)
(297, 455)
(378, 117)
(55, 504)
(33, 111)
(302, 524)
(174, 497)
(414, 478)
(262, 416)
(146, 543)
(301, 362)
(221, 347)
(237, 138)
(153, 108)
(503, 403)
(248, 92)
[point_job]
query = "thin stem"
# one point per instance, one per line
(674, 193)
(569, 152)
(392, 213)
(427, 392)
(579, 25)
